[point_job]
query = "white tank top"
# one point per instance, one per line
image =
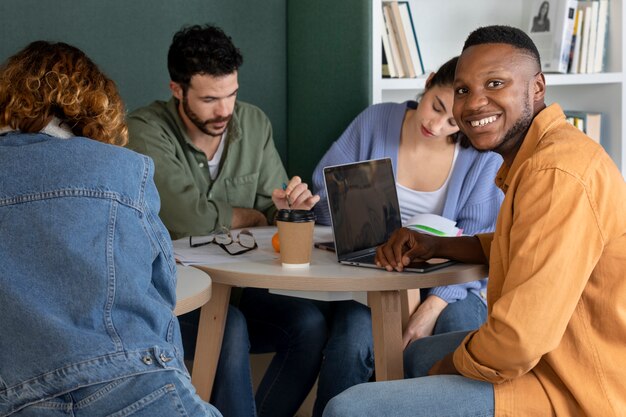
(413, 202)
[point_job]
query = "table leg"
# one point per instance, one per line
(387, 333)
(410, 300)
(209, 342)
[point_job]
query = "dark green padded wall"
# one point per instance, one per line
(129, 39)
(328, 59)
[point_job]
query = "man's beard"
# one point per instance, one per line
(514, 136)
(202, 124)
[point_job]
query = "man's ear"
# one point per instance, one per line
(177, 90)
(539, 88)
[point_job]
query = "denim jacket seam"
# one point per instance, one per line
(70, 192)
(108, 312)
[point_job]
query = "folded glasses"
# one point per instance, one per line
(224, 239)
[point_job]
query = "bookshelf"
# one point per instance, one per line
(442, 27)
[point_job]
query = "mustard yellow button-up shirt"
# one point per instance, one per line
(555, 337)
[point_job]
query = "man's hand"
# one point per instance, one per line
(295, 196)
(247, 217)
(444, 367)
(422, 322)
(404, 246)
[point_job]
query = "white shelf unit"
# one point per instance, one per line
(443, 26)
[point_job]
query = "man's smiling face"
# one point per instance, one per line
(498, 90)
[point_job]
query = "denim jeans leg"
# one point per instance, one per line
(421, 354)
(232, 389)
(296, 330)
(349, 353)
(441, 395)
(467, 314)
(164, 393)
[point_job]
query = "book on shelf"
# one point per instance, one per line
(385, 68)
(593, 36)
(574, 56)
(551, 27)
(600, 49)
(577, 38)
(584, 47)
(414, 48)
(401, 38)
(389, 67)
(393, 45)
(588, 122)
(400, 44)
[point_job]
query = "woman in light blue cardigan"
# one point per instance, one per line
(464, 192)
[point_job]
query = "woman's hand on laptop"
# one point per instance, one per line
(403, 247)
(295, 195)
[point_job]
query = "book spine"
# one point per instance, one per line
(603, 17)
(568, 31)
(593, 36)
(573, 67)
(391, 66)
(584, 51)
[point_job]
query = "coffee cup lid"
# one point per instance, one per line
(295, 216)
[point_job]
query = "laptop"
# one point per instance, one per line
(364, 212)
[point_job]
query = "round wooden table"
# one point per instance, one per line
(386, 295)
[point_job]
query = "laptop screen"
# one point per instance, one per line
(363, 204)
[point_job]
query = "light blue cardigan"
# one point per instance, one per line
(473, 200)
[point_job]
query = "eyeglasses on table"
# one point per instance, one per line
(225, 240)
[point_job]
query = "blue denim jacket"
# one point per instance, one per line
(87, 275)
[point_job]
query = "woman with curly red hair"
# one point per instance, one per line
(87, 278)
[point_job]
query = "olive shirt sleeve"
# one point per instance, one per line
(540, 261)
(272, 175)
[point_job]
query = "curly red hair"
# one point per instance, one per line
(56, 79)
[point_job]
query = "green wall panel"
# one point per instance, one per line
(129, 39)
(328, 60)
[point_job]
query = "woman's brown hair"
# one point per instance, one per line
(56, 79)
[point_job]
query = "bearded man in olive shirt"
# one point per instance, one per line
(216, 166)
(216, 163)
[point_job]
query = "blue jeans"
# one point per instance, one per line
(348, 356)
(293, 328)
(467, 314)
(427, 396)
(165, 393)
(349, 352)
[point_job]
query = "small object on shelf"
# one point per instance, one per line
(552, 32)
(588, 122)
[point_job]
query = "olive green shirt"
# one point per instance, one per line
(191, 203)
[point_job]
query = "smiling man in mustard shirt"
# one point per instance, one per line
(554, 343)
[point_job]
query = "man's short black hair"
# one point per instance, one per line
(201, 50)
(503, 34)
